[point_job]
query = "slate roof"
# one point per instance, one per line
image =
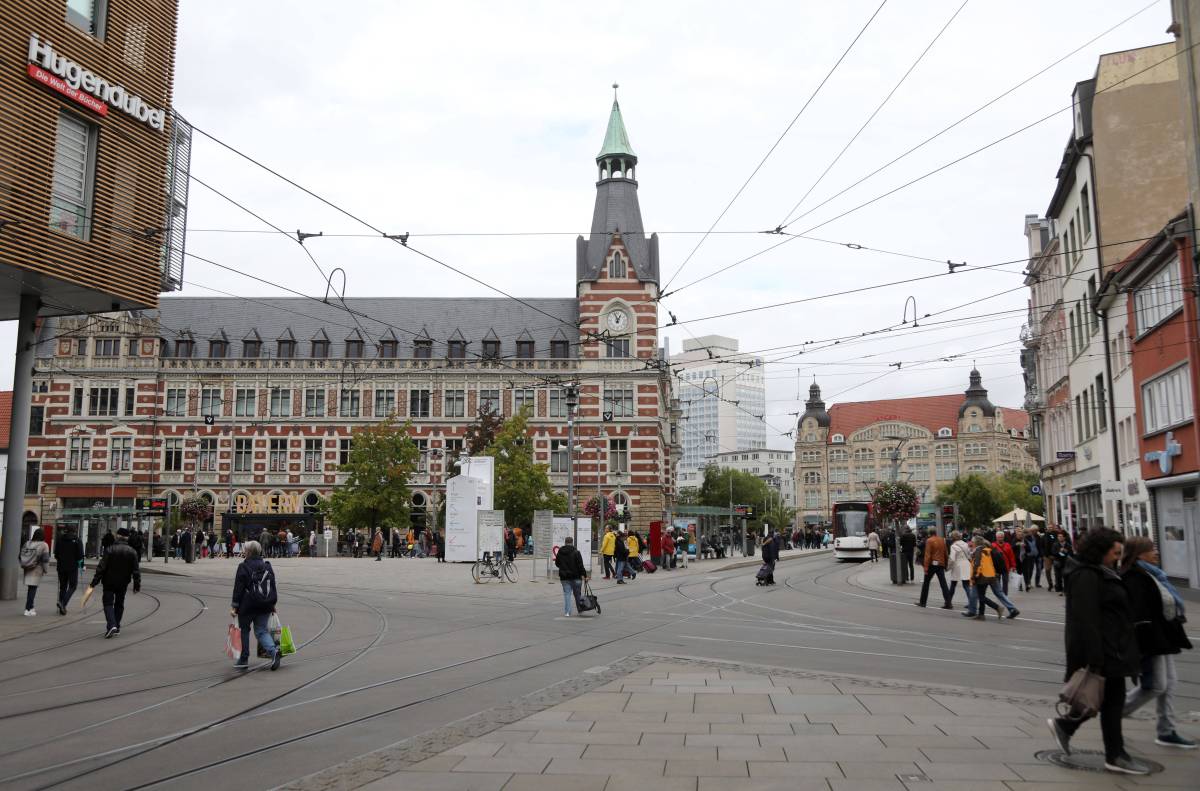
(5, 417)
(405, 317)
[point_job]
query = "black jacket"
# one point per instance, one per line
(908, 542)
(1155, 634)
(118, 566)
(1099, 631)
(770, 553)
(246, 571)
(68, 551)
(570, 563)
(621, 550)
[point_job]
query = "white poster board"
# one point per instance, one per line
(543, 533)
(482, 469)
(490, 533)
(462, 522)
(563, 527)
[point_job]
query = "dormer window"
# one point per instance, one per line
(354, 349)
(320, 349)
(218, 349)
(491, 350)
(184, 347)
(944, 432)
(251, 349)
(422, 348)
(559, 349)
(456, 350)
(838, 439)
(387, 349)
(525, 350)
(286, 349)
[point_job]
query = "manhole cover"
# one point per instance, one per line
(1088, 760)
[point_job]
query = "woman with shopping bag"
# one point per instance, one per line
(254, 599)
(1101, 649)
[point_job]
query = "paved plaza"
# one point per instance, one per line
(410, 676)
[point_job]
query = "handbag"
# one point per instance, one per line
(1081, 696)
(233, 642)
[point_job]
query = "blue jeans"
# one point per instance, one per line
(1157, 683)
(971, 598)
(621, 566)
(572, 589)
(995, 587)
(259, 622)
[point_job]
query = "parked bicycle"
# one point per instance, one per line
(493, 566)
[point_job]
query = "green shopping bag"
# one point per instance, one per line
(286, 643)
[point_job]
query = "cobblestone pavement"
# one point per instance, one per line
(686, 724)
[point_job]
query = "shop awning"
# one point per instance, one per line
(1017, 516)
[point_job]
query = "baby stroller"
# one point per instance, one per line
(765, 575)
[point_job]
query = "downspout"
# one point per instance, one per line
(1118, 507)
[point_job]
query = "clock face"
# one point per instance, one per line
(617, 320)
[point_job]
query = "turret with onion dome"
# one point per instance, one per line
(814, 407)
(977, 396)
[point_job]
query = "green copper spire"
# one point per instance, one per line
(616, 140)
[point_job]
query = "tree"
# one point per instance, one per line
(383, 458)
(977, 505)
(748, 489)
(480, 435)
(522, 486)
(1013, 488)
(779, 516)
(895, 501)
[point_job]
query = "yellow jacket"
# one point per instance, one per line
(632, 542)
(608, 544)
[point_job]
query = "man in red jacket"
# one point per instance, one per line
(1004, 547)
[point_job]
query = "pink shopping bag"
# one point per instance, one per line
(233, 642)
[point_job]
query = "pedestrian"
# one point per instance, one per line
(1031, 559)
(668, 550)
(185, 546)
(826, 539)
(519, 534)
(873, 545)
(635, 554)
(107, 541)
(908, 546)
(116, 570)
(441, 547)
(621, 553)
(1063, 550)
(312, 543)
(1045, 540)
(571, 574)
(935, 559)
(510, 544)
(1100, 637)
(960, 569)
(770, 554)
(176, 550)
(1002, 547)
(254, 598)
(377, 545)
(68, 556)
(1158, 617)
(985, 555)
(608, 548)
(229, 541)
(35, 561)
(135, 541)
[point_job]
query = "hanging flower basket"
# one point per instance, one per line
(195, 509)
(895, 501)
(592, 509)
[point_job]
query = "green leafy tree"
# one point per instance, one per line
(383, 458)
(977, 504)
(522, 486)
(1013, 488)
(779, 516)
(748, 489)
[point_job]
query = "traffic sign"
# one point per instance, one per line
(1064, 454)
(209, 420)
(1035, 489)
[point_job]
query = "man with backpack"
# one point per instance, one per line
(986, 568)
(68, 554)
(116, 569)
(254, 599)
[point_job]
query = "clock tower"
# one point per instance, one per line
(617, 265)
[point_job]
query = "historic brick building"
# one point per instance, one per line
(258, 402)
(842, 452)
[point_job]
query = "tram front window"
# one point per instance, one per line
(853, 523)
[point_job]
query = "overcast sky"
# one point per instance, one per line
(472, 118)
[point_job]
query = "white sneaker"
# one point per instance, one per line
(31, 612)
(28, 612)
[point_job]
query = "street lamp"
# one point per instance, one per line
(435, 454)
(572, 394)
(897, 566)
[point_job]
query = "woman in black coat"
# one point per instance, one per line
(1099, 636)
(1158, 615)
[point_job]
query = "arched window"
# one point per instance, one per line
(616, 267)
(838, 439)
(944, 432)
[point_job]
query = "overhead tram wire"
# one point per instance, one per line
(876, 111)
(401, 240)
(930, 173)
(971, 114)
(775, 145)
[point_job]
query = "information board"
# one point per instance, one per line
(462, 522)
(490, 534)
(543, 533)
(564, 527)
(482, 469)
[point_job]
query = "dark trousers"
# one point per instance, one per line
(1004, 582)
(608, 566)
(1028, 565)
(30, 595)
(1111, 710)
(940, 573)
(1050, 572)
(114, 606)
(874, 555)
(68, 581)
(907, 568)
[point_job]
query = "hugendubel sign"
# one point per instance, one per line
(63, 75)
